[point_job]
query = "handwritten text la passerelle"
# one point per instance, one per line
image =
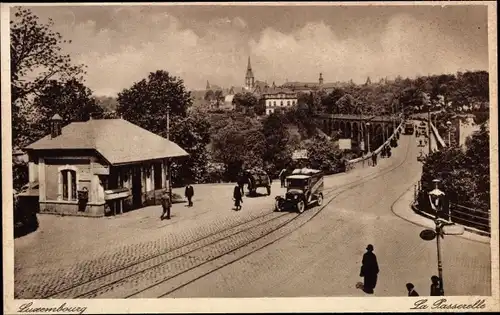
(443, 304)
(63, 308)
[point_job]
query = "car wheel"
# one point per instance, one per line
(301, 206)
(320, 199)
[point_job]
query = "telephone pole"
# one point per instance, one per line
(169, 162)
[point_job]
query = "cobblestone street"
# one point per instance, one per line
(45, 265)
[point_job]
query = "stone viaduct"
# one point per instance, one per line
(359, 128)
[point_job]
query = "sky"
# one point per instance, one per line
(121, 45)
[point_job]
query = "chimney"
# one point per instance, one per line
(55, 126)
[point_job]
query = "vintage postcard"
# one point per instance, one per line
(250, 157)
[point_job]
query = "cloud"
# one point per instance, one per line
(406, 47)
(130, 43)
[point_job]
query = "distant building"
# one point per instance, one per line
(97, 167)
(281, 98)
(249, 77)
(288, 92)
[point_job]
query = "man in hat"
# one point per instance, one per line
(411, 289)
(282, 177)
(166, 204)
(374, 158)
(436, 286)
(189, 193)
(369, 270)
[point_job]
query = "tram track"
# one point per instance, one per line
(204, 255)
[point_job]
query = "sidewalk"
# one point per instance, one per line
(402, 208)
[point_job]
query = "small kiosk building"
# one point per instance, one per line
(98, 167)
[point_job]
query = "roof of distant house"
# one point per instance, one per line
(278, 90)
(117, 140)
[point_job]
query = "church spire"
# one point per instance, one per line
(208, 86)
(249, 78)
(321, 79)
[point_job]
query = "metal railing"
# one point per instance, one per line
(351, 164)
(438, 137)
(466, 216)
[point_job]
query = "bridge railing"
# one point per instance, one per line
(474, 220)
(361, 160)
(437, 136)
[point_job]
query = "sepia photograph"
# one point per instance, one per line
(342, 153)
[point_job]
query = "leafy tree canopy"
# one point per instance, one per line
(145, 103)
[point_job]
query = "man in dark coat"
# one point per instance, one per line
(374, 158)
(369, 270)
(241, 183)
(238, 197)
(411, 289)
(282, 177)
(436, 286)
(189, 193)
(166, 204)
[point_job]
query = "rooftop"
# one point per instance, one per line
(117, 140)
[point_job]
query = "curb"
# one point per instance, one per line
(466, 228)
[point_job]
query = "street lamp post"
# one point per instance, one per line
(448, 124)
(368, 136)
(436, 201)
(169, 162)
(429, 128)
(442, 227)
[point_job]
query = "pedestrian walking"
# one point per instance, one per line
(282, 177)
(411, 289)
(166, 204)
(189, 193)
(241, 183)
(369, 270)
(237, 197)
(374, 158)
(436, 289)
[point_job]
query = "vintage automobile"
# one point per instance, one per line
(25, 209)
(409, 128)
(303, 188)
(256, 178)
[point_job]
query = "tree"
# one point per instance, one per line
(192, 134)
(107, 103)
(35, 52)
(209, 96)
(145, 103)
(465, 175)
(330, 101)
(240, 144)
(323, 154)
(345, 104)
(72, 100)
(244, 101)
(279, 150)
